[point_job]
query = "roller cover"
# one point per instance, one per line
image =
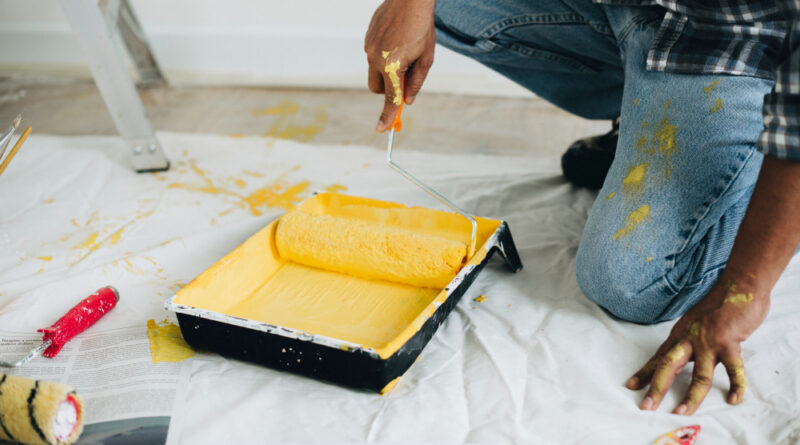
(369, 250)
(33, 412)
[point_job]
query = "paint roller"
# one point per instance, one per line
(40, 412)
(369, 249)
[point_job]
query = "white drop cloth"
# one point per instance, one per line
(535, 363)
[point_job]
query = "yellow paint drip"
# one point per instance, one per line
(610, 195)
(479, 299)
(648, 259)
(633, 220)
(45, 258)
(167, 343)
(634, 180)
(717, 106)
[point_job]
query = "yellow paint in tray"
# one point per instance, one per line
(258, 284)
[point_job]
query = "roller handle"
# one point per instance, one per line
(78, 319)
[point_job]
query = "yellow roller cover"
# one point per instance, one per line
(39, 412)
(367, 249)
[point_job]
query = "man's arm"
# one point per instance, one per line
(712, 331)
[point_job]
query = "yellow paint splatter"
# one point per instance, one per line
(717, 106)
(45, 258)
(644, 124)
(90, 243)
(236, 135)
(636, 101)
(634, 180)
(114, 238)
(335, 188)
(664, 136)
(167, 343)
(275, 196)
(668, 103)
(391, 70)
(253, 174)
(385, 54)
(676, 353)
(49, 201)
(632, 221)
(240, 183)
(648, 259)
(740, 299)
(480, 298)
(611, 195)
(710, 87)
(641, 143)
(286, 126)
(694, 330)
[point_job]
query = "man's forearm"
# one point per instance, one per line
(770, 231)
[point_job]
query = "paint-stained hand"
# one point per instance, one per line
(399, 43)
(709, 333)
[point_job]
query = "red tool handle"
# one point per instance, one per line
(78, 319)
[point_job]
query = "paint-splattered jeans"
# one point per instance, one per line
(662, 227)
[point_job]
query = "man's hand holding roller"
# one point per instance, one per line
(399, 43)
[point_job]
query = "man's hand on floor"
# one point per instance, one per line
(709, 333)
(399, 43)
(712, 331)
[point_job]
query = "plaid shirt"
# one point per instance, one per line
(738, 37)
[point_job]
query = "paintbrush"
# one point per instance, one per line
(6, 139)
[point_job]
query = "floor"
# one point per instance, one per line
(436, 122)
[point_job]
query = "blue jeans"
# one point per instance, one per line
(662, 227)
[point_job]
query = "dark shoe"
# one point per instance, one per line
(587, 161)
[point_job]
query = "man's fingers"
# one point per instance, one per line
(417, 74)
(702, 377)
(375, 81)
(668, 366)
(643, 376)
(393, 94)
(735, 369)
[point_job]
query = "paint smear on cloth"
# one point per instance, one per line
(278, 194)
(259, 284)
(294, 122)
(167, 343)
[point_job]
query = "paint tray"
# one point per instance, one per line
(252, 305)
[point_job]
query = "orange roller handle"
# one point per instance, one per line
(397, 124)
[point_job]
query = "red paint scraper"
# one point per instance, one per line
(75, 321)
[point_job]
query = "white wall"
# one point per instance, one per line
(246, 42)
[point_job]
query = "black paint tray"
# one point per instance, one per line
(235, 308)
